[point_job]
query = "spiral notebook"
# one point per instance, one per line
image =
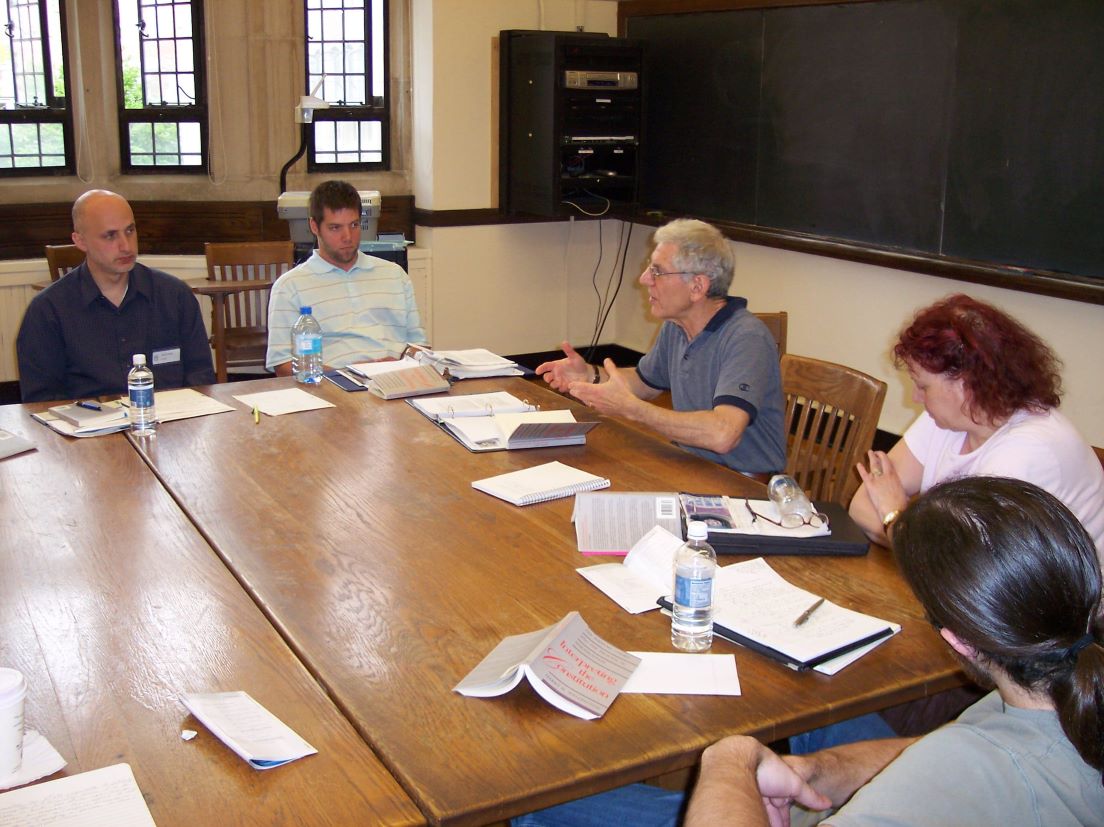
(549, 481)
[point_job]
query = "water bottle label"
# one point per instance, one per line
(694, 593)
(308, 344)
(141, 397)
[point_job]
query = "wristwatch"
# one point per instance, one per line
(889, 519)
(597, 376)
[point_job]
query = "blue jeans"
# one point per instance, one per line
(637, 805)
(864, 728)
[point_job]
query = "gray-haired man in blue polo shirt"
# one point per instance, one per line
(717, 359)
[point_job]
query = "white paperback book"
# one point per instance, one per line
(567, 664)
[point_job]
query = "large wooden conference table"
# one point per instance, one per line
(356, 531)
(112, 605)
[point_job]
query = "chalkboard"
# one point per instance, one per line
(964, 129)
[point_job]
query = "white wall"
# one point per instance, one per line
(519, 288)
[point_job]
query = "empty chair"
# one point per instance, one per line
(239, 278)
(831, 414)
(61, 258)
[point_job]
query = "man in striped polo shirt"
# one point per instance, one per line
(365, 305)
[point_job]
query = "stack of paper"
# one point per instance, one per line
(469, 364)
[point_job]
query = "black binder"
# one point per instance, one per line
(846, 538)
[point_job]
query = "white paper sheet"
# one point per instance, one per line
(676, 673)
(247, 728)
(644, 574)
(107, 797)
(284, 401)
(39, 760)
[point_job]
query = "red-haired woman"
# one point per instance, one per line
(990, 390)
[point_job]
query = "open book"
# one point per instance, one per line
(567, 664)
(549, 481)
(416, 381)
(510, 431)
(473, 404)
(754, 606)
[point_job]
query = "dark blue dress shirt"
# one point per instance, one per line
(75, 343)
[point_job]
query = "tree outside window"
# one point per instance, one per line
(35, 122)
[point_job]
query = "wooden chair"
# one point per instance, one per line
(776, 323)
(60, 259)
(239, 278)
(831, 414)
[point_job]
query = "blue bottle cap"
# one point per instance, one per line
(304, 311)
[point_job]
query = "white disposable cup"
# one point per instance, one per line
(13, 692)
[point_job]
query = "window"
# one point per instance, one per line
(35, 124)
(161, 85)
(347, 64)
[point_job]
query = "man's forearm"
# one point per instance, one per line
(712, 430)
(838, 772)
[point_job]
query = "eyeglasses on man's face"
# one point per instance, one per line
(791, 520)
(656, 273)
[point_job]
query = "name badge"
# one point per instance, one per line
(166, 357)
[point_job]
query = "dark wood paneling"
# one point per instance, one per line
(174, 227)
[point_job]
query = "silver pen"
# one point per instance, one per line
(805, 615)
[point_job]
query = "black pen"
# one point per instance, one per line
(87, 403)
(805, 615)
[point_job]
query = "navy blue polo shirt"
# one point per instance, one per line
(733, 361)
(74, 343)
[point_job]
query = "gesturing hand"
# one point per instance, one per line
(562, 372)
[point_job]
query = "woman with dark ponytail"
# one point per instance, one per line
(1011, 579)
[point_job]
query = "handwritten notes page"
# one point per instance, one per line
(247, 728)
(611, 522)
(757, 602)
(107, 797)
(567, 664)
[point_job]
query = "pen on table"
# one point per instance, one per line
(88, 403)
(805, 615)
(256, 415)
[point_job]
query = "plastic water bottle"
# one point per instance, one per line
(692, 604)
(306, 348)
(143, 414)
(794, 508)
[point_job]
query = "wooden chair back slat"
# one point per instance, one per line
(244, 322)
(831, 414)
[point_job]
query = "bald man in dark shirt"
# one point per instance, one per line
(79, 335)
